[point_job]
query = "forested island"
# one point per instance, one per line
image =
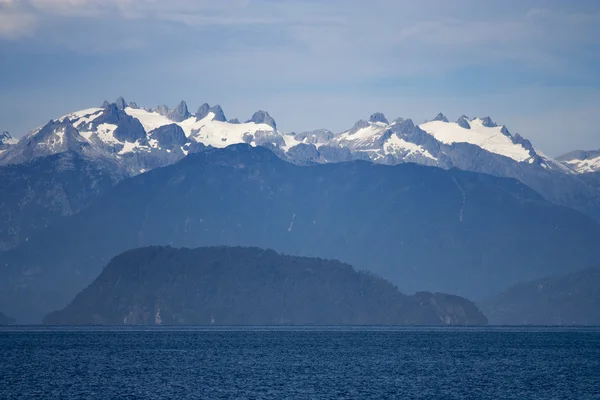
(251, 286)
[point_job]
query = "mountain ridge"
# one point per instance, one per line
(485, 234)
(571, 299)
(133, 139)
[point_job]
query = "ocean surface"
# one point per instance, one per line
(302, 363)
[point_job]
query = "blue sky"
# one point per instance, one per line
(530, 64)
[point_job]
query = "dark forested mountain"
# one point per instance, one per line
(36, 194)
(572, 299)
(422, 228)
(250, 286)
(6, 320)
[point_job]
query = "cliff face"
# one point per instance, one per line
(572, 299)
(452, 310)
(250, 286)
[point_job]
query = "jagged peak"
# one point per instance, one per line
(121, 104)
(218, 112)
(263, 117)
(488, 122)
(360, 124)
(440, 117)
(378, 117)
(206, 109)
(162, 110)
(133, 104)
(234, 121)
(203, 111)
(105, 104)
(179, 113)
(463, 122)
(6, 139)
(403, 125)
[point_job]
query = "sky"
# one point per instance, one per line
(533, 65)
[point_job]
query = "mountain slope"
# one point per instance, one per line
(36, 194)
(572, 299)
(250, 286)
(138, 140)
(423, 228)
(6, 141)
(582, 161)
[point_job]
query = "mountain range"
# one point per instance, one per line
(139, 139)
(461, 207)
(422, 228)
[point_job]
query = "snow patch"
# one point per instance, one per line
(490, 139)
(89, 114)
(218, 133)
(395, 144)
(149, 120)
(106, 132)
(363, 137)
(585, 166)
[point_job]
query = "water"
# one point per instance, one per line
(299, 363)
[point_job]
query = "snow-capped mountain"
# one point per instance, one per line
(582, 161)
(6, 141)
(135, 140)
(141, 139)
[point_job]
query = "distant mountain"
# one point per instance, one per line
(422, 228)
(6, 141)
(36, 194)
(582, 161)
(6, 320)
(572, 299)
(250, 286)
(139, 139)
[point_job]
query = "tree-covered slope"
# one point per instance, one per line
(423, 228)
(36, 194)
(250, 286)
(572, 299)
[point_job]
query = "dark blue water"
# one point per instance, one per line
(304, 364)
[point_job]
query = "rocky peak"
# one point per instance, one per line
(121, 104)
(4, 137)
(203, 111)
(105, 104)
(379, 117)
(360, 124)
(169, 136)
(129, 129)
(219, 114)
(487, 122)
(403, 125)
(110, 115)
(263, 117)
(440, 117)
(162, 110)
(133, 104)
(463, 122)
(234, 121)
(518, 139)
(179, 113)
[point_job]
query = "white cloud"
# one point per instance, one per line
(14, 25)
